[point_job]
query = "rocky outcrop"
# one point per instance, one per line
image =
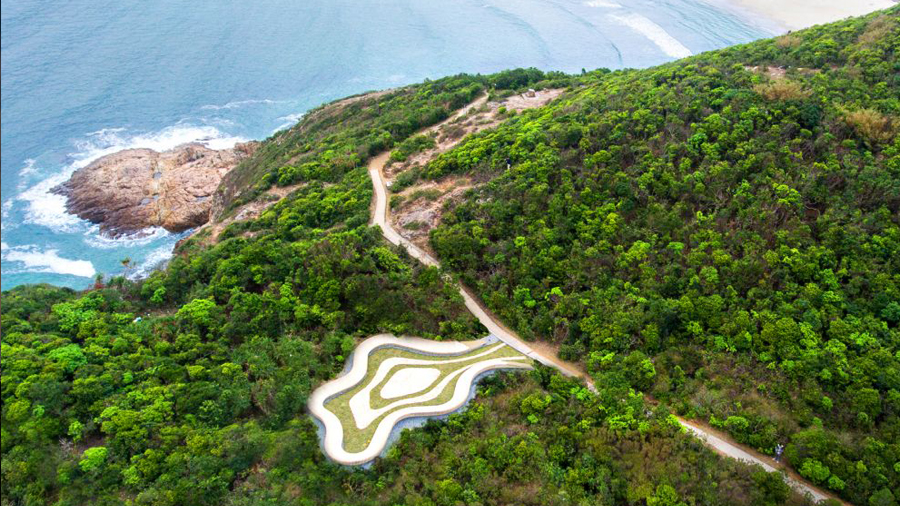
(138, 188)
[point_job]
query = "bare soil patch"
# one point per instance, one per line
(422, 205)
(249, 211)
(776, 73)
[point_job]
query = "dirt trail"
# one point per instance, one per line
(723, 445)
(718, 442)
(419, 208)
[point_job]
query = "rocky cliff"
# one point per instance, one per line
(138, 188)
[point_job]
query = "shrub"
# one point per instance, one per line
(879, 29)
(815, 471)
(788, 40)
(93, 459)
(781, 90)
(871, 125)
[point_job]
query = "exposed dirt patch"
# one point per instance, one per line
(531, 99)
(550, 349)
(421, 206)
(209, 233)
(776, 73)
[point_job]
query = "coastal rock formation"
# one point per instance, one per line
(138, 188)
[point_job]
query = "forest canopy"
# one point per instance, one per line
(717, 237)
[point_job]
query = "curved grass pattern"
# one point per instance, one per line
(428, 378)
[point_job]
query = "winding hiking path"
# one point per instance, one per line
(722, 445)
(718, 442)
(381, 218)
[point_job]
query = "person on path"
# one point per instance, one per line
(779, 450)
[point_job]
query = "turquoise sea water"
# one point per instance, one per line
(83, 78)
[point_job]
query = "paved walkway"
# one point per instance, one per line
(381, 217)
(334, 430)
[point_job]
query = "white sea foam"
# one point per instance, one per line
(27, 174)
(28, 169)
(47, 209)
(289, 121)
(4, 222)
(154, 260)
(668, 44)
(602, 3)
(36, 260)
(239, 103)
(94, 239)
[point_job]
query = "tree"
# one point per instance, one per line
(93, 459)
(771, 488)
(665, 495)
(883, 497)
(198, 312)
(815, 470)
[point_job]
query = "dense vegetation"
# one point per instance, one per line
(135, 388)
(188, 387)
(728, 224)
(723, 240)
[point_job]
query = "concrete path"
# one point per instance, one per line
(381, 217)
(722, 444)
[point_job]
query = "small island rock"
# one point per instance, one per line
(133, 189)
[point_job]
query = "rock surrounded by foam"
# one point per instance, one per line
(134, 189)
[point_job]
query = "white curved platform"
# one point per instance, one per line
(409, 381)
(457, 365)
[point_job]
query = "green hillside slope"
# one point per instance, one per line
(718, 236)
(735, 217)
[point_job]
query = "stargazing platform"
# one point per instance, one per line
(390, 379)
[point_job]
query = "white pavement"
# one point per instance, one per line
(364, 415)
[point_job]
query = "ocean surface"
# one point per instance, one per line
(84, 78)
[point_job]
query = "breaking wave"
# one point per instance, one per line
(36, 260)
(42, 207)
(668, 44)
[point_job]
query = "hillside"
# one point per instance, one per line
(717, 237)
(735, 219)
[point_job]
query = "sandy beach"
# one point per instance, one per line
(797, 14)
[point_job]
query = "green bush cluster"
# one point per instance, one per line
(729, 248)
(734, 219)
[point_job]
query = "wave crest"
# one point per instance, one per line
(37, 260)
(663, 40)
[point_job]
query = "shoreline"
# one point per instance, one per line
(780, 17)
